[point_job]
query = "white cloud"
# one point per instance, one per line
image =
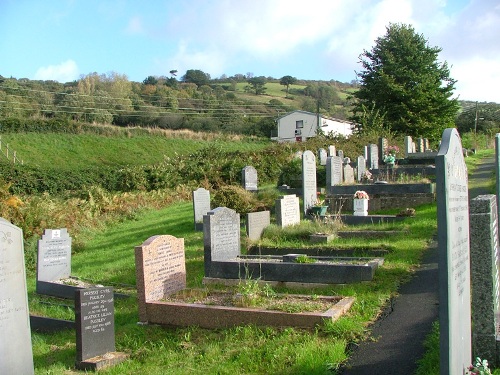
(135, 26)
(477, 79)
(65, 72)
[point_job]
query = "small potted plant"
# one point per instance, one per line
(360, 203)
(318, 207)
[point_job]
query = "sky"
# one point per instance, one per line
(64, 40)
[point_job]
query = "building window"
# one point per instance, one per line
(299, 124)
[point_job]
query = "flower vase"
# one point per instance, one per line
(318, 210)
(360, 207)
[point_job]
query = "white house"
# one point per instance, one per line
(297, 126)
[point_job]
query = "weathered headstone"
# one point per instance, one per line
(160, 269)
(201, 205)
(332, 150)
(454, 255)
(484, 263)
(340, 154)
(256, 223)
(221, 235)
(408, 145)
(16, 355)
(420, 145)
(54, 255)
(322, 155)
(348, 174)
(372, 156)
(426, 145)
(95, 329)
(361, 168)
(287, 210)
(309, 187)
(347, 160)
(383, 145)
(249, 178)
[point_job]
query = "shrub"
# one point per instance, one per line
(236, 198)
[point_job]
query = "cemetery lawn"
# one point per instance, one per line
(108, 258)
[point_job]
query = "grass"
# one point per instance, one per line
(108, 258)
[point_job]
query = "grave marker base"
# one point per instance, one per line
(102, 361)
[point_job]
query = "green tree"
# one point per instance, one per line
(287, 81)
(196, 76)
(403, 80)
(258, 84)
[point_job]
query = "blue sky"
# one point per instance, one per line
(315, 39)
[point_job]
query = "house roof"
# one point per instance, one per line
(315, 114)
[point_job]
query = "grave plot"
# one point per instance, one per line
(164, 299)
(223, 259)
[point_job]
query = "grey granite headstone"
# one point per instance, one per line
(332, 150)
(340, 154)
(383, 145)
(372, 156)
(322, 155)
(309, 187)
(334, 172)
(160, 269)
(485, 262)
(287, 210)
(95, 322)
(201, 205)
(256, 223)
(361, 168)
(426, 145)
(16, 355)
(54, 255)
(348, 174)
(249, 178)
(408, 146)
(454, 255)
(221, 235)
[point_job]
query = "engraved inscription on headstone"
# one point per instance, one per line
(256, 223)
(221, 234)
(201, 205)
(16, 356)
(334, 172)
(95, 322)
(454, 255)
(249, 178)
(160, 269)
(309, 187)
(287, 210)
(54, 255)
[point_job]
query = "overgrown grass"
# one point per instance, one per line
(107, 257)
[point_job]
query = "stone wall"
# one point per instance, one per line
(343, 203)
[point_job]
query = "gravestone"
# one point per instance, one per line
(322, 155)
(365, 153)
(54, 255)
(484, 263)
(454, 255)
(334, 171)
(426, 145)
(332, 151)
(361, 167)
(408, 146)
(340, 154)
(287, 210)
(201, 205)
(95, 329)
(383, 145)
(372, 156)
(160, 269)
(420, 145)
(16, 355)
(348, 174)
(256, 223)
(347, 160)
(249, 178)
(309, 187)
(221, 236)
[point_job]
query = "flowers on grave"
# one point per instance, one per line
(480, 367)
(361, 194)
(390, 156)
(366, 176)
(318, 202)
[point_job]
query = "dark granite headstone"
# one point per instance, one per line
(54, 255)
(160, 269)
(287, 210)
(16, 355)
(256, 223)
(201, 205)
(485, 267)
(309, 187)
(249, 178)
(454, 255)
(95, 322)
